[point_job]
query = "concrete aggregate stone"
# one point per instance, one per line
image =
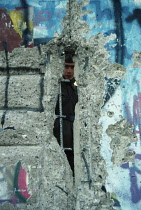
(136, 59)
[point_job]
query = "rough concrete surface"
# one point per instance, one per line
(122, 136)
(29, 84)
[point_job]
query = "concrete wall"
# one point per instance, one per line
(104, 37)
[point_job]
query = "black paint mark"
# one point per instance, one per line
(5, 47)
(111, 87)
(112, 84)
(62, 189)
(26, 34)
(41, 108)
(135, 16)
(3, 119)
(20, 71)
(9, 128)
(119, 32)
(7, 82)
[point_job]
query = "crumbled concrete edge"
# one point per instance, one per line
(136, 58)
(122, 136)
(93, 66)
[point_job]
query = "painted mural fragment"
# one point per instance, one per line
(13, 181)
(32, 23)
(8, 34)
(122, 18)
(135, 178)
(23, 26)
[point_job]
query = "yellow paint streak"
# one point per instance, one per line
(17, 19)
(18, 22)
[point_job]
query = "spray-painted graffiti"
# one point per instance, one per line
(7, 32)
(16, 29)
(132, 100)
(124, 184)
(30, 23)
(23, 26)
(13, 182)
(134, 171)
(136, 118)
(122, 18)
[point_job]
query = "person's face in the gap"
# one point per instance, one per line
(69, 71)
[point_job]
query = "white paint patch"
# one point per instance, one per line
(113, 106)
(137, 2)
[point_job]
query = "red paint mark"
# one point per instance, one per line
(22, 185)
(7, 32)
(137, 132)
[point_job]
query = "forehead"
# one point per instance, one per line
(69, 66)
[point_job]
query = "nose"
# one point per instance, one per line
(69, 69)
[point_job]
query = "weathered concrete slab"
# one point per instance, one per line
(23, 128)
(21, 92)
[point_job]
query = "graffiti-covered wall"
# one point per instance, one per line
(122, 98)
(105, 36)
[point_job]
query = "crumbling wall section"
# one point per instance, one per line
(93, 67)
(30, 88)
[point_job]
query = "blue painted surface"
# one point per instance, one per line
(122, 17)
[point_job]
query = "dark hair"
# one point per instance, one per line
(69, 59)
